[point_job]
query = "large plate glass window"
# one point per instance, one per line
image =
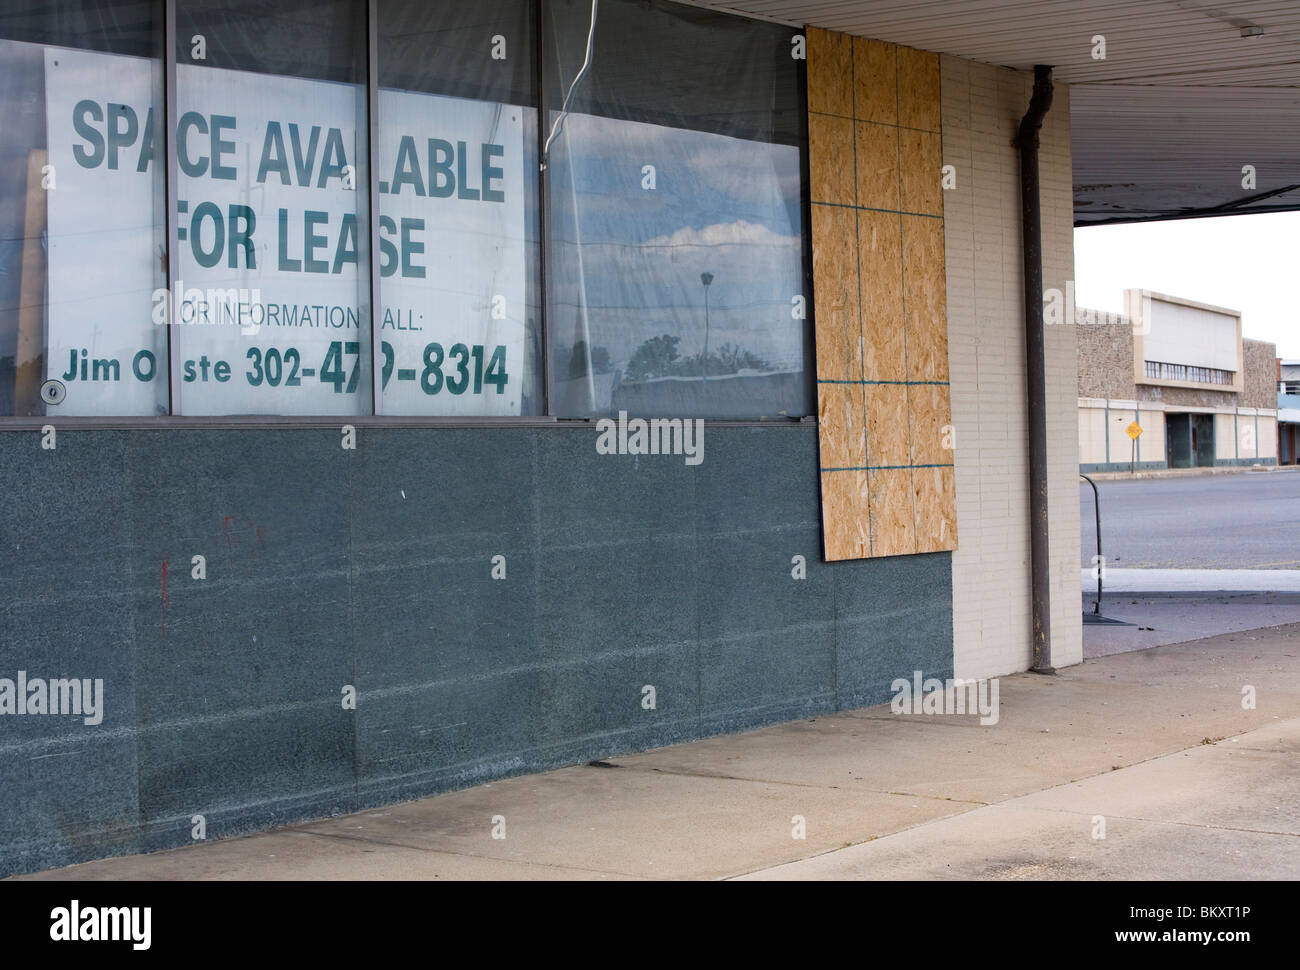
(271, 308)
(81, 208)
(675, 255)
(458, 187)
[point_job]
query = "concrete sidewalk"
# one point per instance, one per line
(1156, 742)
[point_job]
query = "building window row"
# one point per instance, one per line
(1159, 370)
(400, 207)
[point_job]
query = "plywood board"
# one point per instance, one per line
(840, 416)
(935, 492)
(925, 298)
(830, 142)
(918, 89)
(893, 523)
(880, 262)
(875, 81)
(845, 520)
(877, 165)
(830, 72)
(931, 422)
(920, 168)
(887, 426)
(835, 293)
(880, 301)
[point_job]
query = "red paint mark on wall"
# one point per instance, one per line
(245, 536)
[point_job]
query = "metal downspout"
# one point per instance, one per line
(1035, 365)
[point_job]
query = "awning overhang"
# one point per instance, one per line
(1190, 93)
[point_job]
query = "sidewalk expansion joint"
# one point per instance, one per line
(800, 784)
(343, 837)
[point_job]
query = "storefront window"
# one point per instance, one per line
(81, 209)
(642, 234)
(458, 184)
(271, 305)
(676, 281)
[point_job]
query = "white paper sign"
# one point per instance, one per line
(269, 310)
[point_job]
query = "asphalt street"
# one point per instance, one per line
(1244, 521)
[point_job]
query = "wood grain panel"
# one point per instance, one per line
(830, 142)
(845, 520)
(887, 425)
(875, 81)
(920, 167)
(830, 72)
(935, 492)
(926, 299)
(835, 290)
(880, 261)
(840, 421)
(918, 89)
(877, 165)
(880, 301)
(931, 412)
(893, 525)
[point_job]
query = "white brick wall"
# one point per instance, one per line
(982, 107)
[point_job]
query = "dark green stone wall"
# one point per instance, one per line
(372, 567)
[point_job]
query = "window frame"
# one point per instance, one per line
(167, 20)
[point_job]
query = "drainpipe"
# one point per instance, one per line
(1035, 365)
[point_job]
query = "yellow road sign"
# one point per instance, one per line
(1134, 430)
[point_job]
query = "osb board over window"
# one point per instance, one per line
(879, 298)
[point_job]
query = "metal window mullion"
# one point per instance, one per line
(543, 176)
(372, 188)
(171, 196)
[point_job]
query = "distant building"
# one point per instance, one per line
(1181, 371)
(1288, 411)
